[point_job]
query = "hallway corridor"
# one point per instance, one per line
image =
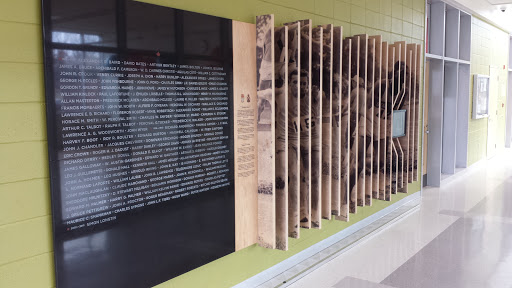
(460, 237)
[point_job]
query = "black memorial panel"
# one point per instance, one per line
(140, 136)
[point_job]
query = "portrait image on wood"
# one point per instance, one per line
(327, 119)
(316, 126)
(345, 129)
(281, 135)
(293, 130)
(354, 124)
(377, 113)
(266, 130)
(362, 121)
(337, 45)
(305, 123)
(383, 122)
(389, 121)
(370, 78)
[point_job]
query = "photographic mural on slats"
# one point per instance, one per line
(329, 142)
(266, 130)
(293, 130)
(281, 135)
(326, 121)
(389, 110)
(354, 124)
(417, 107)
(305, 123)
(361, 94)
(377, 113)
(370, 78)
(335, 208)
(345, 133)
(316, 126)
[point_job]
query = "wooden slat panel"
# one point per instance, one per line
(354, 124)
(305, 116)
(412, 119)
(281, 136)
(246, 179)
(377, 115)
(337, 45)
(389, 109)
(266, 130)
(383, 122)
(293, 130)
(417, 95)
(402, 103)
(361, 152)
(345, 133)
(397, 98)
(394, 172)
(326, 95)
(316, 127)
(370, 85)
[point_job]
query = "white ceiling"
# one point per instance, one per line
(488, 10)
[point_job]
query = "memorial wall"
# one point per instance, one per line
(176, 138)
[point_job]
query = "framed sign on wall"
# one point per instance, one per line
(140, 136)
(480, 96)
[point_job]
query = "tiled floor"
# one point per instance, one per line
(460, 237)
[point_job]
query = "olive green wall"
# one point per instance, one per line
(489, 46)
(26, 257)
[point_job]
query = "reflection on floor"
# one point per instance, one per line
(460, 237)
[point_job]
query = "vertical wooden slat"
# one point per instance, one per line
(327, 145)
(246, 178)
(417, 95)
(266, 130)
(412, 107)
(316, 127)
(281, 135)
(402, 103)
(361, 152)
(398, 96)
(293, 130)
(395, 172)
(305, 117)
(383, 122)
(377, 115)
(345, 133)
(354, 124)
(336, 108)
(370, 87)
(389, 133)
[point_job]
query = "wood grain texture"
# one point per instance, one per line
(327, 119)
(337, 46)
(411, 48)
(362, 95)
(389, 110)
(417, 121)
(385, 87)
(293, 130)
(305, 119)
(316, 126)
(377, 115)
(370, 87)
(246, 180)
(354, 124)
(394, 172)
(345, 133)
(402, 103)
(281, 135)
(266, 130)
